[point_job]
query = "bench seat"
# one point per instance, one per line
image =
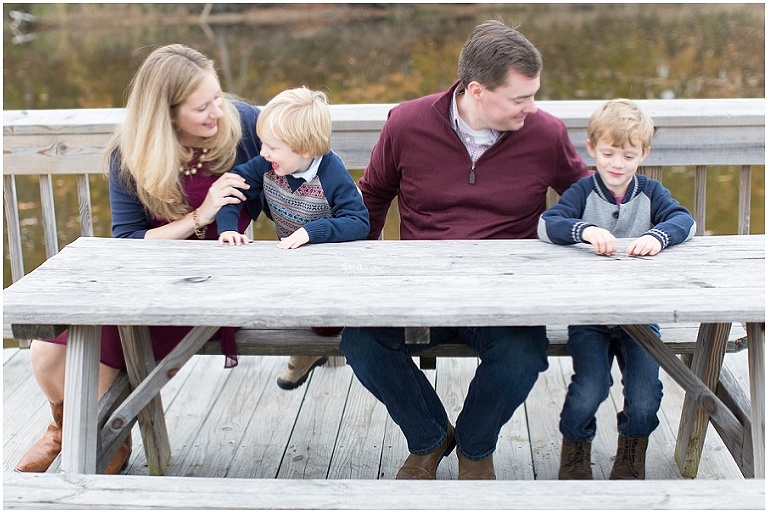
(680, 338)
(42, 491)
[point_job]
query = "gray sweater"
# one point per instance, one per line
(647, 208)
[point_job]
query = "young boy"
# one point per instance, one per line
(614, 202)
(309, 193)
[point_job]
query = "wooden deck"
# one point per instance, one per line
(237, 425)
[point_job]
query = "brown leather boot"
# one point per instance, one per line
(40, 456)
(424, 466)
(298, 370)
(476, 470)
(120, 461)
(630, 458)
(575, 460)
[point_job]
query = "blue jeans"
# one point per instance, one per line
(511, 359)
(593, 349)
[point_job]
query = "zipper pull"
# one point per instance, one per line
(472, 174)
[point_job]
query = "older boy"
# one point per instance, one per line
(614, 202)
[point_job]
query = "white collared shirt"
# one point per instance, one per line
(476, 141)
(311, 172)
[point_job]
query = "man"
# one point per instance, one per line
(473, 162)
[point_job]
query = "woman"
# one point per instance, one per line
(168, 169)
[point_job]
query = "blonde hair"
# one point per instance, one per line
(300, 118)
(147, 143)
(618, 122)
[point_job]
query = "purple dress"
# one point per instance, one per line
(165, 338)
(130, 220)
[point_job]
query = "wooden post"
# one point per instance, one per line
(140, 361)
(81, 386)
(756, 348)
(693, 386)
(707, 361)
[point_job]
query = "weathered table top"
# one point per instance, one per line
(135, 283)
(96, 281)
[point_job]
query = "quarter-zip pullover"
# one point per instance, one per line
(420, 160)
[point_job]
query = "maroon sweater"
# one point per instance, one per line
(421, 160)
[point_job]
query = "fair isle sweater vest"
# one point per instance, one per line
(293, 209)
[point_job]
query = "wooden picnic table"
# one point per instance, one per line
(712, 281)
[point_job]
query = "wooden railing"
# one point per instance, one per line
(698, 133)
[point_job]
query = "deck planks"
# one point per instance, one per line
(236, 423)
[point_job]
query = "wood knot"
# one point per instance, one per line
(709, 405)
(196, 279)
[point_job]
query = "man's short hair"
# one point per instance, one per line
(492, 50)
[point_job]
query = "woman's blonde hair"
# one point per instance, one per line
(619, 122)
(300, 118)
(147, 143)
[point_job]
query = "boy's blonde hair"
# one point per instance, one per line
(300, 118)
(149, 148)
(619, 122)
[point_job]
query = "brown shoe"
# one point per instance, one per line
(120, 461)
(575, 460)
(298, 370)
(480, 469)
(630, 458)
(40, 456)
(424, 466)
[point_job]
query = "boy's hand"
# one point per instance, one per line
(294, 240)
(601, 239)
(233, 238)
(645, 245)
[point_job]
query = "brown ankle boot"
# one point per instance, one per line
(630, 458)
(575, 460)
(120, 461)
(476, 469)
(40, 456)
(424, 466)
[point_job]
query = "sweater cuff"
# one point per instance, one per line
(578, 230)
(316, 231)
(660, 236)
(226, 222)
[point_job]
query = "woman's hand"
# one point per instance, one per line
(224, 191)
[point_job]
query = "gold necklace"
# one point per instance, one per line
(195, 162)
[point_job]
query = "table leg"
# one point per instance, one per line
(150, 387)
(81, 389)
(691, 383)
(706, 363)
(756, 356)
(140, 361)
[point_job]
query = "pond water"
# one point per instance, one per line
(84, 55)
